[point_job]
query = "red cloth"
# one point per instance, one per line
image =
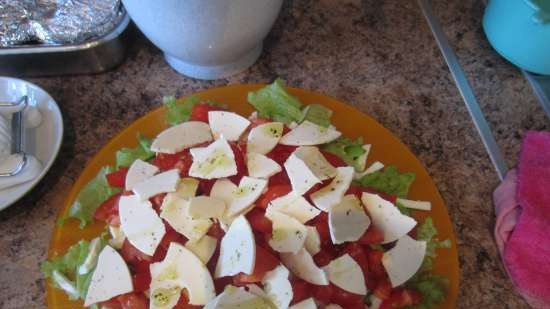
(522, 228)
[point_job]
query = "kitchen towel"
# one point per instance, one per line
(522, 230)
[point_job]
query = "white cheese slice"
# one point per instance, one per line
(301, 177)
(362, 159)
(387, 217)
(237, 250)
(138, 172)
(160, 183)
(223, 189)
(330, 195)
(111, 278)
(374, 167)
(295, 206)
(140, 223)
(256, 290)
(263, 138)
(234, 297)
(313, 240)
(205, 207)
(305, 304)
(187, 187)
(404, 259)
(302, 265)
(420, 205)
(347, 221)
(333, 306)
(288, 233)
(203, 248)
(180, 269)
(307, 133)
(315, 161)
(227, 124)
(174, 210)
(345, 273)
(117, 237)
(182, 136)
(260, 166)
(277, 287)
(244, 196)
(217, 160)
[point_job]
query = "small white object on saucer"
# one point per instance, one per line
(42, 142)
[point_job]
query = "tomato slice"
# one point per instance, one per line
(112, 303)
(108, 211)
(358, 191)
(272, 193)
(258, 221)
(199, 112)
(265, 261)
(141, 281)
(357, 252)
(301, 290)
(345, 299)
(280, 153)
(183, 302)
(181, 160)
(373, 235)
(241, 165)
(383, 289)
(333, 159)
(117, 178)
(323, 293)
(133, 301)
(132, 255)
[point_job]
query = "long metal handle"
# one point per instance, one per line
(465, 90)
(17, 135)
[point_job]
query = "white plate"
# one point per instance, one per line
(43, 142)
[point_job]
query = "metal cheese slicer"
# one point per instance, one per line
(17, 130)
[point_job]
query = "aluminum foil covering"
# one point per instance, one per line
(56, 22)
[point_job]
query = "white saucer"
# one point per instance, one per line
(43, 142)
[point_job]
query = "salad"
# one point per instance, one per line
(274, 210)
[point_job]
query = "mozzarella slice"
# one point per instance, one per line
(333, 306)
(205, 207)
(404, 259)
(347, 221)
(217, 160)
(420, 205)
(187, 187)
(374, 167)
(362, 159)
(387, 217)
(260, 166)
(237, 250)
(234, 297)
(256, 290)
(329, 196)
(244, 196)
(138, 172)
(174, 210)
(111, 278)
(295, 206)
(307, 133)
(203, 248)
(316, 162)
(223, 189)
(140, 223)
(161, 183)
(313, 240)
(181, 136)
(302, 265)
(180, 269)
(277, 286)
(305, 304)
(227, 124)
(345, 273)
(263, 138)
(288, 233)
(117, 237)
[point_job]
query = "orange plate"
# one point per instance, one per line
(386, 148)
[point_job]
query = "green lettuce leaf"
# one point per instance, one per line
(127, 156)
(389, 181)
(178, 111)
(317, 114)
(428, 233)
(274, 102)
(348, 150)
(91, 196)
(433, 289)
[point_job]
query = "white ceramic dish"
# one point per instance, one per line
(43, 142)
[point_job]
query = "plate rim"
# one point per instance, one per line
(80, 181)
(57, 146)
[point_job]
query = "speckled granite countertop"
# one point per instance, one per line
(377, 55)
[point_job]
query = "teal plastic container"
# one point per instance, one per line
(519, 30)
